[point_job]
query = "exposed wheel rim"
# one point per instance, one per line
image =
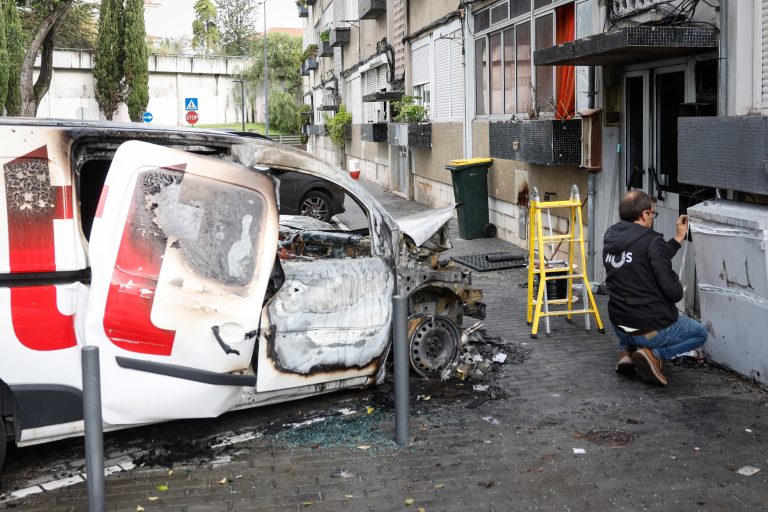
(433, 344)
(315, 207)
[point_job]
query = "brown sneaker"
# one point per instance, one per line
(649, 366)
(625, 365)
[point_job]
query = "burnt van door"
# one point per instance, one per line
(181, 251)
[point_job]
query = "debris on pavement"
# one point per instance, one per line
(748, 470)
(579, 451)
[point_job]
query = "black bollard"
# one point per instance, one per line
(94, 429)
(402, 367)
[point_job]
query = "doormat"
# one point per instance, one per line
(485, 262)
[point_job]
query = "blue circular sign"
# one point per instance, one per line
(147, 117)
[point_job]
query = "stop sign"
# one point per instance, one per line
(192, 117)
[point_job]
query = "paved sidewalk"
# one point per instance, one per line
(543, 441)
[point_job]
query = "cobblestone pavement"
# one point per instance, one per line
(562, 432)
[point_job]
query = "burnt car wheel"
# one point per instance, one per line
(317, 205)
(433, 343)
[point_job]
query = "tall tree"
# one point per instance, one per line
(204, 29)
(5, 63)
(77, 30)
(52, 12)
(108, 70)
(237, 25)
(136, 71)
(284, 56)
(15, 45)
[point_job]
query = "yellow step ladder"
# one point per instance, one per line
(545, 271)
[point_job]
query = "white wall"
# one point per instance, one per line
(171, 80)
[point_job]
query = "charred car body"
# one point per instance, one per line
(164, 248)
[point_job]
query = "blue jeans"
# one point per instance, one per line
(680, 337)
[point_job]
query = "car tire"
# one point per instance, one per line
(318, 205)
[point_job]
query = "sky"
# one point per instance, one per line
(173, 18)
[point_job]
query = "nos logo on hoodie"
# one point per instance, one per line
(626, 257)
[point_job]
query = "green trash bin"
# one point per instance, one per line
(470, 188)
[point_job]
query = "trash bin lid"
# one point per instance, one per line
(470, 162)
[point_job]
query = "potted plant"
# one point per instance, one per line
(410, 127)
(310, 57)
(325, 49)
(303, 9)
(339, 127)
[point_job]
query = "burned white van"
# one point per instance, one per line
(164, 248)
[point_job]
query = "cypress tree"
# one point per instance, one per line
(109, 56)
(136, 72)
(15, 47)
(4, 63)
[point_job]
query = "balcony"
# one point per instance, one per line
(412, 135)
(303, 11)
(371, 9)
(339, 36)
(316, 129)
(310, 64)
(326, 50)
(538, 141)
(373, 132)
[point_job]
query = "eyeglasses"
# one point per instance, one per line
(655, 213)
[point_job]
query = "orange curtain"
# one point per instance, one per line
(566, 75)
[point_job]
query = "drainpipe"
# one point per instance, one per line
(722, 83)
(591, 180)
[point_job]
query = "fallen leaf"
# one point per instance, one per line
(364, 446)
(423, 428)
(427, 397)
(408, 501)
(696, 449)
(139, 508)
(439, 486)
(170, 472)
(422, 509)
(369, 409)
(307, 503)
(486, 441)
(579, 451)
(161, 487)
(223, 481)
(152, 498)
(349, 495)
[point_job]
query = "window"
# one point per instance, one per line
(421, 70)
(504, 78)
(375, 80)
(481, 76)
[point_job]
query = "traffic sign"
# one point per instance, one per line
(192, 117)
(190, 103)
(147, 117)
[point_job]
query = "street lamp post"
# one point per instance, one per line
(242, 102)
(266, 81)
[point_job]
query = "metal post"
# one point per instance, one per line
(266, 79)
(402, 366)
(94, 435)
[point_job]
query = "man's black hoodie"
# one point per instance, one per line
(642, 286)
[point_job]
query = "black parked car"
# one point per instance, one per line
(304, 194)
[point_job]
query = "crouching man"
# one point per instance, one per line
(643, 290)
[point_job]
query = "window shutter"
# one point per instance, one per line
(354, 99)
(449, 79)
(442, 98)
(457, 80)
(371, 79)
(420, 65)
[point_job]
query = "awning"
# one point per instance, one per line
(629, 45)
